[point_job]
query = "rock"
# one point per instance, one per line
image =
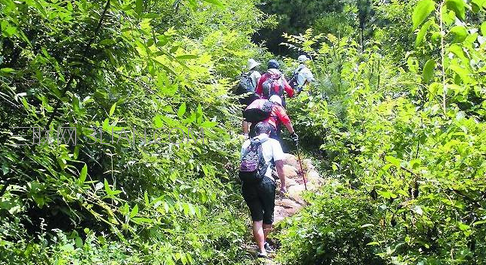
(290, 171)
(291, 160)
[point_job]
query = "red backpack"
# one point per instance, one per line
(272, 86)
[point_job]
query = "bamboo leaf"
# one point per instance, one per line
(134, 211)
(112, 109)
(182, 110)
(83, 174)
(483, 29)
(421, 12)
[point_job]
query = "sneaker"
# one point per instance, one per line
(262, 255)
(268, 248)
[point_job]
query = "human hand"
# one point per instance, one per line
(294, 137)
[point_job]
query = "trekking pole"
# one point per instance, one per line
(300, 162)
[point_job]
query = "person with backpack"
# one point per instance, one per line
(247, 85)
(302, 75)
(272, 112)
(273, 82)
(258, 186)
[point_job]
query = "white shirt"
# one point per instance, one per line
(271, 149)
(304, 75)
(255, 76)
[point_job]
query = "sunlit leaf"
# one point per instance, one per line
(83, 174)
(458, 6)
(460, 33)
(134, 211)
(422, 33)
(422, 11)
(182, 110)
(112, 109)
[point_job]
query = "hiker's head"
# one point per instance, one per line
(302, 58)
(275, 99)
(263, 127)
(273, 64)
(252, 64)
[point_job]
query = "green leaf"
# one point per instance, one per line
(5, 169)
(421, 12)
(463, 73)
(214, 2)
(393, 160)
(182, 110)
(139, 220)
(483, 29)
(107, 187)
(428, 72)
(112, 109)
(134, 211)
(83, 174)
(7, 70)
(158, 121)
(460, 33)
(458, 6)
(139, 7)
(187, 57)
(422, 33)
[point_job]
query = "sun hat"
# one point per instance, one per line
(252, 64)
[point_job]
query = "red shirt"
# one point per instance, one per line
(278, 115)
(265, 76)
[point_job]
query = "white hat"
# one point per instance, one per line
(302, 58)
(252, 64)
(275, 99)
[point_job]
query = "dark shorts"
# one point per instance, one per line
(260, 198)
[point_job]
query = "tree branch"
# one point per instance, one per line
(85, 52)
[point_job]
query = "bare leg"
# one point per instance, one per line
(266, 230)
(259, 235)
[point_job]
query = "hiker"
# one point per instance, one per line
(270, 111)
(258, 186)
(302, 75)
(273, 82)
(247, 85)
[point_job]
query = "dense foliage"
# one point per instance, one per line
(405, 137)
(144, 84)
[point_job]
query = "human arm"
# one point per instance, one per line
(284, 118)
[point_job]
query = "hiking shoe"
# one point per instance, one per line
(268, 248)
(262, 255)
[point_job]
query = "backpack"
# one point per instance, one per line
(253, 166)
(272, 86)
(258, 110)
(245, 86)
(293, 81)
